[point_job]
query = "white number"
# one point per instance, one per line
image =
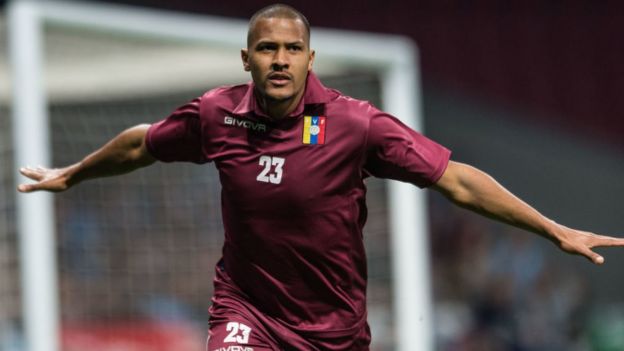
(266, 176)
(233, 328)
(243, 339)
(276, 177)
(266, 162)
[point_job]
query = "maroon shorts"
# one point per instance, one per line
(237, 325)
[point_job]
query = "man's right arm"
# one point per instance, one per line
(124, 153)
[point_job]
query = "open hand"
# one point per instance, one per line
(47, 179)
(579, 242)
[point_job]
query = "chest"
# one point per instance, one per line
(297, 162)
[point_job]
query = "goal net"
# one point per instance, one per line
(135, 254)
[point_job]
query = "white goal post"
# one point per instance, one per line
(393, 58)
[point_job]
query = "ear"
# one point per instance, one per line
(311, 61)
(245, 58)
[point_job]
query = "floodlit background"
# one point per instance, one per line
(525, 90)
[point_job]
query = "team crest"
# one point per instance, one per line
(314, 130)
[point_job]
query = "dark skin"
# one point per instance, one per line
(279, 59)
(123, 154)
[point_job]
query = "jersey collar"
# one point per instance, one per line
(315, 93)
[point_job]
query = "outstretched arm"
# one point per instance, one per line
(471, 188)
(124, 153)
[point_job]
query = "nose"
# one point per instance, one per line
(280, 60)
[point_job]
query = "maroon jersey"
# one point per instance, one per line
(293, 203)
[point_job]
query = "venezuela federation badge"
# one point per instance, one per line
(314, 130)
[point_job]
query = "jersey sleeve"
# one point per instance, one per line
(178, 137)
(397, 152)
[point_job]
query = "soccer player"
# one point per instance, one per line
(292, 157)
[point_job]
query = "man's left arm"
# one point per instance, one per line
(473, 189)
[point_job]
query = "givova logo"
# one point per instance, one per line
(235, 348)
(231, 121)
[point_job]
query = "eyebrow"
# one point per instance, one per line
(267, 41)
(298, 43)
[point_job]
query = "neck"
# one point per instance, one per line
(278, 109)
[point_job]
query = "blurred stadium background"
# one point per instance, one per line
(528, 91)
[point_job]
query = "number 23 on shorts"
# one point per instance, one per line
(239, 333)
(236, 336)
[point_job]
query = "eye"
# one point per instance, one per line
(265, 47)
(295, 47)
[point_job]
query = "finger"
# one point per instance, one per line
(606, 241)
(31, 173)
(26, 188)
(591, 255)
(45, 186)
(597, 259)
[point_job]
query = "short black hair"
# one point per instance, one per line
(277, 11)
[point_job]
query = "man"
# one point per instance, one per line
(292, 157)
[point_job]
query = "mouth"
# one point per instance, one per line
(279, 78)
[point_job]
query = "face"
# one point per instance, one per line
(279, 58)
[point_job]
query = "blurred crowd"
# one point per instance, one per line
(497, 288)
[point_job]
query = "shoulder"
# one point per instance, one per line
(225, 97)
(351, 109)
(349, 119)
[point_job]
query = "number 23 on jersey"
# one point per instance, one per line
(271, 169)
